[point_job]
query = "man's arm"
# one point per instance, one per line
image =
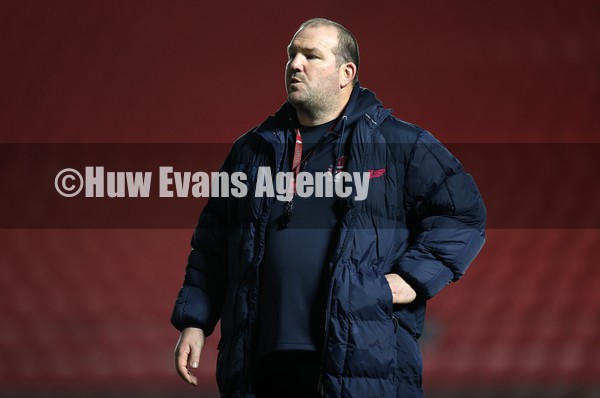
(199, 302)
(446, 215)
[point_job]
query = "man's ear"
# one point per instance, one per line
(347, 73)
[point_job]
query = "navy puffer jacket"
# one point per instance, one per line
(423, 219)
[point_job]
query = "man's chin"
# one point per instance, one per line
(295, 99)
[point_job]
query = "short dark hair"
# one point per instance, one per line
(347, 50)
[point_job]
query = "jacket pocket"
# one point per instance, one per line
(390, 296)
(371, 339)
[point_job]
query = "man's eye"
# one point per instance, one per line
(310, 56)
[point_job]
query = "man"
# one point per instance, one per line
(325, 295)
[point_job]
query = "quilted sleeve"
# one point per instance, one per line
(200, 299)
(446, 217)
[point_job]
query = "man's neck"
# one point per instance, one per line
(308, 120)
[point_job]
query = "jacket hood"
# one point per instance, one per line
(362, 102)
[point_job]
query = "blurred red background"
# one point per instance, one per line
(87, 310)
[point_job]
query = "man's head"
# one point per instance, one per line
(321, 70)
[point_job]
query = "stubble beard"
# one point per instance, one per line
(315, 102)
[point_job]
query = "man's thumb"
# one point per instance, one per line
(194, 355)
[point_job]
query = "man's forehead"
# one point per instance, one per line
(315, 37)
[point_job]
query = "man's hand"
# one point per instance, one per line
(401, 291)
(187, 353)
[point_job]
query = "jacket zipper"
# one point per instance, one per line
(255, 264)
(321, 387)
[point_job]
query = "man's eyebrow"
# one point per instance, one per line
(297, 48)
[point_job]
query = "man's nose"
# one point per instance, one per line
(296, 63)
